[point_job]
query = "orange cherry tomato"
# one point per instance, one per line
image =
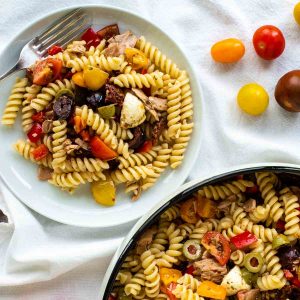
(228, 51)
(188, 211)
(100, 150)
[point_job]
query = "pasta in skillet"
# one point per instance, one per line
(108, 109)
(208, 247)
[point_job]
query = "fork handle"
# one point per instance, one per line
(15, 68)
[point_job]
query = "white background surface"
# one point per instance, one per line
(41, 259)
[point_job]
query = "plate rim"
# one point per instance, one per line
(196, 83)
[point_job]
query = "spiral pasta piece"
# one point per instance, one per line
(132, 262)
(27, 110)
(174, 104)
(186, 229)
(184, 293)
(98, 124)
(223, 191)
(77, 164)
(266, 187)
(135, 285)
(132, 174)
(171, 213)
(65, 57)
(138, 80)
(96, 51)
(59, 137)
(124, 277)
(14, 102)
(138, 159)
(49, 92)
(107, 64)
(159, 242)
(118, 131)
(186, 111)
(159, 165)
(260, 214)
(225, 223)
(25, 149)
(74, 179)
(237, 257)
(202, 227)
(231, 232)
(48, 142)
(189, 282)
(170, 257)
(157, 57)
(269, 282)
(151, 273)
(181, 144)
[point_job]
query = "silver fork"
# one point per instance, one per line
(60, 32)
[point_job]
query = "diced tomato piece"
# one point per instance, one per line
(94, 43)
(144, 71)
(46, 71)
(243, 240)
(188, 211)
(298, 208)
(40, 152)
(296, 282)
(168, 290)
(68, 75)
(85, 135)
(190, 270)
(280, 225)
(55, 49)
(100, 150)
(35, 133)
(39, 117)
(89, 35)
(146, 147)
(217, 246)
(288, 274)
(111, 297)
(252, 190)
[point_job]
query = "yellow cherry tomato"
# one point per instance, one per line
(137, 58)
(297, 13)
(78, 79)
(228, 51)
(253, 99)
(104, 192)
(94, 78)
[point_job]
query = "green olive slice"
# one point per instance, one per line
(192, 249)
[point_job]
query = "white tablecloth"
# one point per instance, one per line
(42, 259)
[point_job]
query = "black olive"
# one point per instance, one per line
(95, 99)
(83, 153)
(62, 107)
(138, 138)
(113, 164)
(289, 257)
(80, 95)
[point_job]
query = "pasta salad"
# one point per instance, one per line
(235, 240)
(109, 108)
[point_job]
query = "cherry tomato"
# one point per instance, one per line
(46, 71)
(217, 246)
(253, 99)
(297, 13)
(55, 49)
(146, 147)
(35, 133)
(287, 91)
(188, 211)
(228, 51)
(40, 152)
(100, 150)
(91, 38)
(39, 117)
(268, 42)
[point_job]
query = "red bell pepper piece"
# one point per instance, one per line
(39, 117)
(91, 38)
(146, 147)
(288, 274)
(40, 152)
(100, 150)
(55, 49)
(189, 270)
(243, 240)
(292, 278)
(35, 133)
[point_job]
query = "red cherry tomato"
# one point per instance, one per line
(217, 246)
(39, 117)
(35, 133)
(100, 150)
(91, 38)
(55, 49)
(40, 152)
(46, 71)
(146, 147)
(269, 42)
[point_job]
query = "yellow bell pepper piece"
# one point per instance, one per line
(78, 79)
(94, 78)
(169, 275)
(211, 290)
(137, 58)
(206, 208)
(104, 192)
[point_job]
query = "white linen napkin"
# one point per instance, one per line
(37, 254)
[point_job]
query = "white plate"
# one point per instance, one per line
(80, 209)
